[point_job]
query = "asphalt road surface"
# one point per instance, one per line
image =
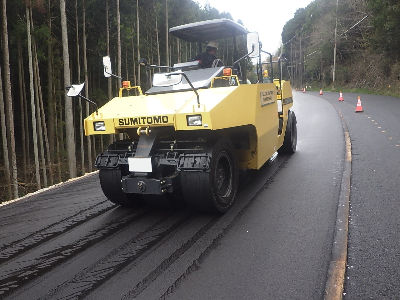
(275, 243)
(374, 230)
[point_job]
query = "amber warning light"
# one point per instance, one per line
(126, 84)
(227, 72)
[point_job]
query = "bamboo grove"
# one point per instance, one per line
(45, 46)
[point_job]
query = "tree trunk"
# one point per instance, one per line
(138, 41)
(119, 59)
(109, 83)
(133, 57)
(9, 102)
(166, 33)
(43, 119)
(27, 140)
(119, 55)
(85, 67)
(4, 138)
(22, 106)
(109, 87)
(126, 64)
(56, 123)
(32, 91)
(50, 95)
(78, 65)
(158, 43)
(69, 119)
(39, 116)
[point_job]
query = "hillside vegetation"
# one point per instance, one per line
(368, 45)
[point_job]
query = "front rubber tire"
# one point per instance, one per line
(110, 182)
(290, 141)
(214, 190)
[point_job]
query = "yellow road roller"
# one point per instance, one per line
(195, 128)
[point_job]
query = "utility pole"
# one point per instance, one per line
(301, 61)
(166, 33)
(334, 49)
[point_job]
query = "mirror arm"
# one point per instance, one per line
(270, 61)
(191, 85)
(113, 75)
(90, 101)
(243, 57)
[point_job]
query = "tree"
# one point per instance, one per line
(4, 137)
(166, 33)
(157, 39)
(50, 94)
(9, 102)
(138, 40)
(22, 96)
(69, 122)
(109, 89)
(119, 59)
(78, 66)
(85, 67)
(32, 91)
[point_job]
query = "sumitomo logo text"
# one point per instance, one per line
(143, 121)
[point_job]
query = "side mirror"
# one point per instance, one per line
(143, 62)
(107, 66)
(253, 44)
(75, 90)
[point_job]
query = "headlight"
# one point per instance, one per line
(99, 126)
(194, 120)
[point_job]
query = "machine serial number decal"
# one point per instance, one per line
(266, 97)
(143, 121)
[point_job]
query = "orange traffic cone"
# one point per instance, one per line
(341, 96)
(304, 90)
(359, 106)
(321, 92)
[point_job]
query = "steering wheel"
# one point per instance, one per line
(217, 63)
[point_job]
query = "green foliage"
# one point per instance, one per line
(371, 44)
(386, 21)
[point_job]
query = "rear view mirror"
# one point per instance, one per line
(75, 90)
(253, 44)
(107, 66)
(165, 79)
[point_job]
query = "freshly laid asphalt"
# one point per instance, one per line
(275, 242)
(373, 270)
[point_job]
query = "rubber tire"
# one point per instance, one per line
(199, 188)
(290, 140)
(110, 182)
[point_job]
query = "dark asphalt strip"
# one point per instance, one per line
(20, 246)
(337, 266)
(88, 279)
(142, 285)
(21, 270)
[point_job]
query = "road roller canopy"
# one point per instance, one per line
(209, 30)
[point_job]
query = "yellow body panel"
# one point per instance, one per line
(221, 108)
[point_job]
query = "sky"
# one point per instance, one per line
(267, 17)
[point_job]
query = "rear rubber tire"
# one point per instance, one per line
(110, 181)
(214, 190)
(290, 140)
